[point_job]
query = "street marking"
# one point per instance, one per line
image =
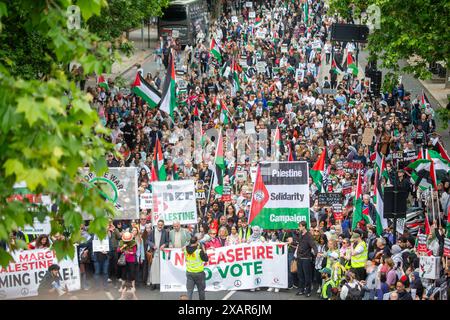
(229, 294)
(109, 295)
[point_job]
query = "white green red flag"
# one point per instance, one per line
(102, 83)
(334, 67)
(219, 164)
(424, 100)
(351, 65)
(317, 172)
(144, 90)
(215, 50)
(358, 214)
(168, 101)
(158, 163)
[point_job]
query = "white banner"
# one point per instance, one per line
(174, 200)
(21, 279)
(240, 267)
(119, 186)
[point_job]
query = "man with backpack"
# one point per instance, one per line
(351, 290)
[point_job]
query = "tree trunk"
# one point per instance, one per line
(447, 78)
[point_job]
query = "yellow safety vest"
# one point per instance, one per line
(359, 260)
(325, 286)
(194, 263)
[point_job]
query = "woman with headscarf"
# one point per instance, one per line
(416, 284)
(256, 236)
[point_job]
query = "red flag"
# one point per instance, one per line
(196, 110)
(443, 152)
(291, 155)
(427, 225)
(260, 196)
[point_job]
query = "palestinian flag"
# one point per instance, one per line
(277, 144)
(424, 100)
(236, 82)
(358, 214)
(318, 170)
(443, 152)
(432, 172)
(291, 154)
(381, 222)
(144, 90)
(440, 164)
(158, 169)
(245, 77)
(224, 113)
(351, 65)
(102, 83)
(168, 101)
(420, 181)
(196, 113)
(219, 166)
(334, 67)
(215, 50)
(258, 22)
(260, 196)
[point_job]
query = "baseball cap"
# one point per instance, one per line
(325, 270)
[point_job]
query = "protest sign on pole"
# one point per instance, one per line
(174, 201)
(337, 211)
(238, 267)
(422, 243)
(368, 136)
(21, 278)
(447, 247)
(120, 187)
(328, 199)
(282, 199)
(429, 267)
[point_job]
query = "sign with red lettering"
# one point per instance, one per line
(239, 267)
(447, 247)
(21, 278)
(422, 243)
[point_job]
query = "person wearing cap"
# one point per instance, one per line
(328, 283)
(195, 257)
(51, 286)
(359, 254)
(128, 247)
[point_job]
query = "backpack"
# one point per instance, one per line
(354, 293)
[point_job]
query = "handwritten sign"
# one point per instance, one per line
(146, 201)
(328, 199)
(368, 136)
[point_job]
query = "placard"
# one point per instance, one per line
(401, 225)
(284, 48)
(422, 243)
(337, 211)
(328, 199)
(260, 34)
(38, 227)
(252, 14)
(200, 194)
(100, 245)
(253, 171)
(261, 66)
(250, 127)
(429, 267)
(249, 4)
(175, 34)
(234, 19)
(226, 194)
(146, 201)
(368, 136)
(447, 247)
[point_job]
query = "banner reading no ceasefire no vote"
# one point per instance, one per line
(238, 267)
(280, 198)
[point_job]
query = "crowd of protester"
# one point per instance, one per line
(328, 253)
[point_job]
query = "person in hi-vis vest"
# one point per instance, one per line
(195, 256)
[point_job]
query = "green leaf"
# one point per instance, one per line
(72, 218)
(5, 258)
(34, 178)
(13, 166)
(100, 166)
(90, 7)
(32, 110)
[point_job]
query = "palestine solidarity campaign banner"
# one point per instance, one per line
(280, 198)
(174, 201)
(238, 267)
(21, 278)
